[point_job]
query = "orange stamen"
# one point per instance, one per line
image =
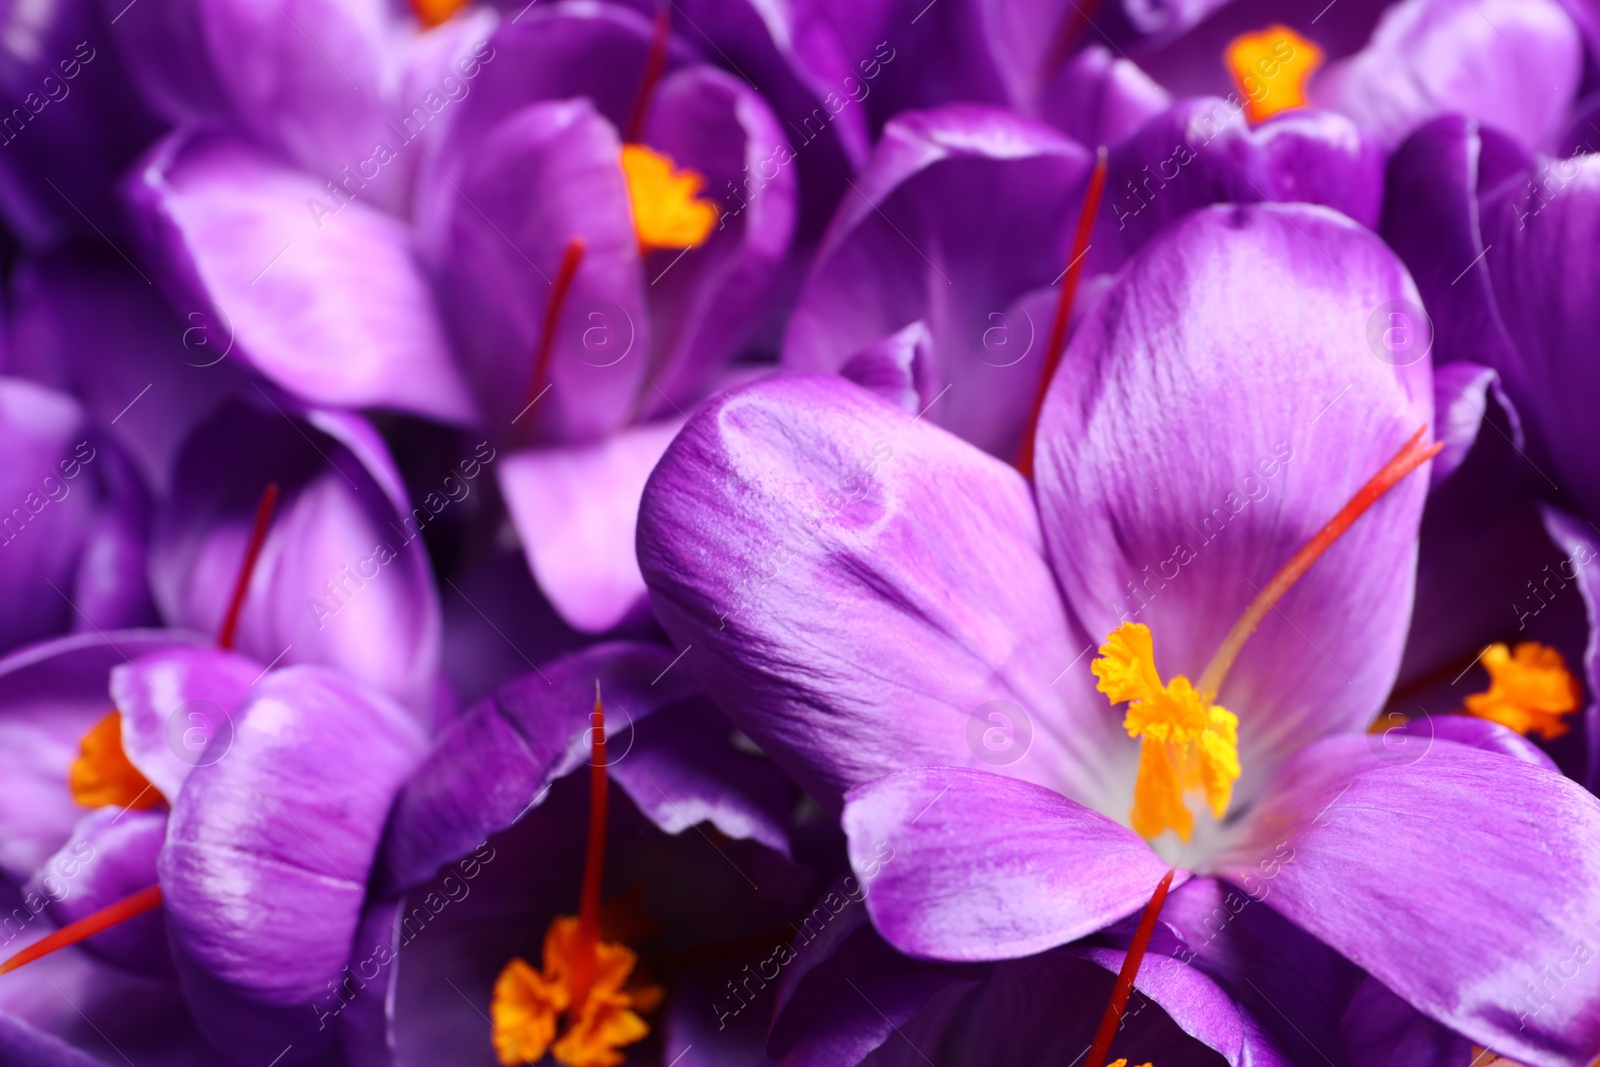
(655, 62)
(1069, 289)
(433, 13)
(571, 259)
(258, 536)
(1413, 454)
(1123, 989)
(110, 915)
(594, 858)
(103, 776)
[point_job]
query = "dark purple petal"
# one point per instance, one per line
(575, 508)
(903, 368)
(1580, 544)
(967, 865)
(1096, 98)
(323, 295)
(1382, 1030)
(961, 211)
(865, 592)
(269, 849)
(1378, 873)
(1182, 464)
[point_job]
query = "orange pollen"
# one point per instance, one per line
(252, 552)
(668, 209)
(111, 915)
(1270, 68)
(1069, 289)
(1530, 690)
(583, 992)
(103, 776)
(1413, 454)
(433, 13)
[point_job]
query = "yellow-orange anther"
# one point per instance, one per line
(1529, 690)
(528, 1005)
(102, 774)
(1124, 1063)
(1187, 742)
(667, 209)
(1270, 68)
(432, 13)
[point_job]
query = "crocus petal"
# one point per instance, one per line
(838, 628)
(1097, 98)
(1181, 465)
(268, 853)
(1461, 400)
(111, 856)
(903, 368)
(961, 211)
(326, 300)
(971, 866)
(494, 226)
(496, 761)
(50, 695)
(342, 578)
(21, 1043)
(1577, 541)
(1514, 64)
(1382, 1030)
(575, 509)
(1377, 873)
(175, 704)
(1543, 236)
(1202, 151)
(705, 302)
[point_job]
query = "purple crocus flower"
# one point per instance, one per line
(73, 525)
(487, 845)
(891, 613)
(225, 784)
(343, 578)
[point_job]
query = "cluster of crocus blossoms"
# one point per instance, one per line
(704, 532)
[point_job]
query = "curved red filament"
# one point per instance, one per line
(1069, 289)
(544, 352)
(655, 62)
(252, 552)
(110, 915)
(594, 858)
(1123, 989)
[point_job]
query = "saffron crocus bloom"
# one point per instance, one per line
(343, 578)
(884, 619)
(600, 258)
(480, 887)
(224, 783)
(72, 521)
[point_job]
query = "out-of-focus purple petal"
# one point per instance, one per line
(968, 865)
(493, 229)
(1578, 542)
(323, 294)
(1382, 1030)
(865, 592)
(1097, 98)
(903, 368)
(961, 210)
(111, 856)
(50, 695)
(269, 849)
(575, 510)
(343, 578)
(497, 760)
(1515, 914)
(1181, 466)
(1461, 394)
(1202, 151)
(1513, 64)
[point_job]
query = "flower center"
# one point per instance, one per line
(1270, 68)
(433, 13)
(1188, 741)
(668, 211)
(1530, 690)
(583, 991)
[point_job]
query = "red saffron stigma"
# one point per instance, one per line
(594, 858)
(655, 62)
(1413, 454)
(110, 915)
(1123, 989)
(258, 536)
(571, 260)
(1067, 34)
(1069, 289)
